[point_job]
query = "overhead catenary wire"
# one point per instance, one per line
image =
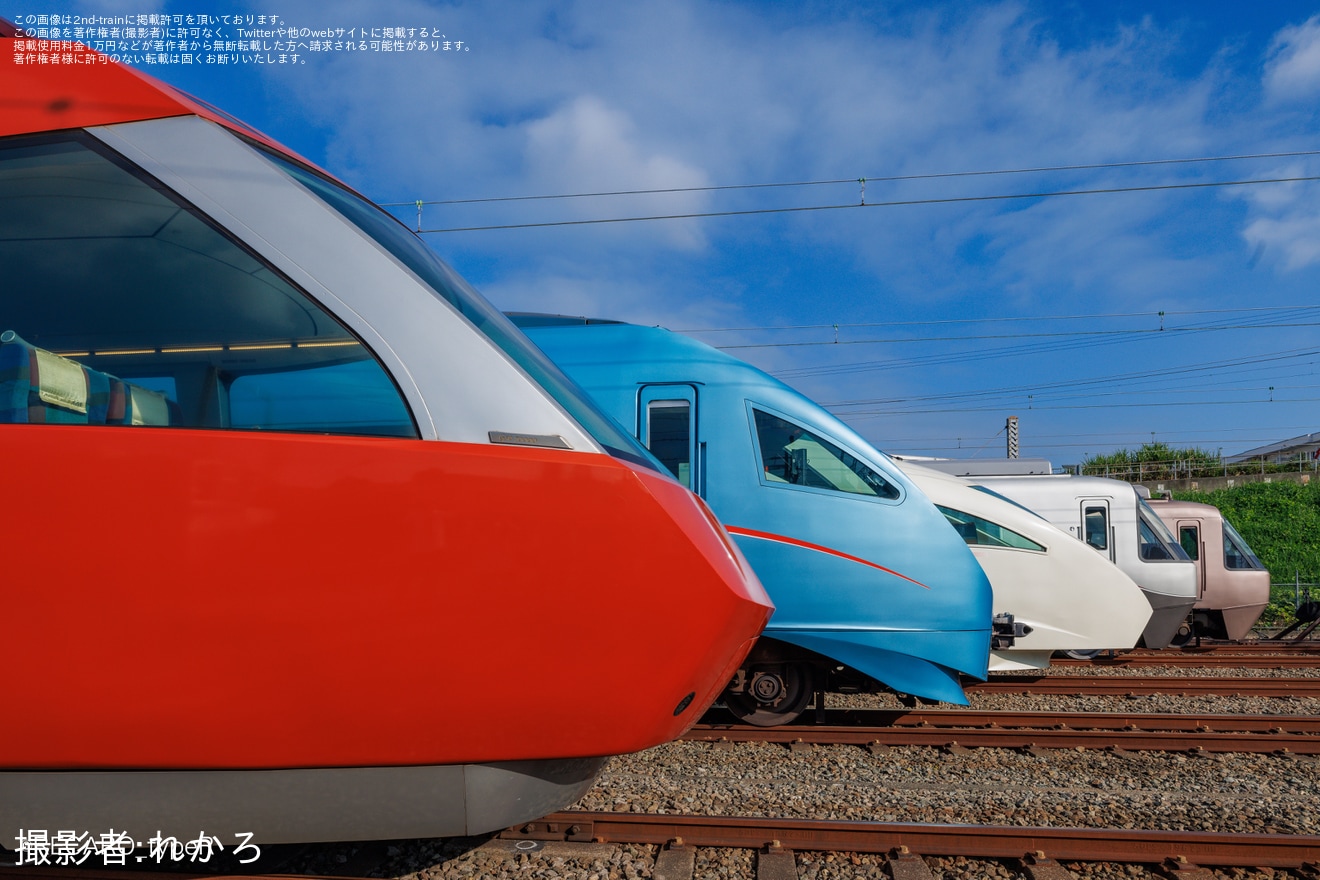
(1099, 439)
(1261, 362)
(1044, 396)
(999, 319)
(860, 414)
(1134, 442)
(1256, 435)
(1052, 396)
(1011, 397)
(945, 359)
(976, 354)
(1260, 393)
(1053, 340)
(1072, 334)
(893, 203)
(890, 178)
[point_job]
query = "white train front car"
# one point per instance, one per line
(1062, 596)
(1111, 518)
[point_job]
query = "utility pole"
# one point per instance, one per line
(1011, 429)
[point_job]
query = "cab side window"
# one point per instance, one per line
(669, 436)
(1237, 555)
(123, 305)
(1095, 522)
(1149, 545)
(1190, 539)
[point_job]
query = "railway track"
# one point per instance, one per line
(1039, 853)
(1256, 646)
(1135, 685)
(1223, 734)
(1261, 644)
(1040, 850)
(1226, 657)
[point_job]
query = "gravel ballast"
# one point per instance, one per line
(1064, 788)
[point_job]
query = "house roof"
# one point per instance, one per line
(1311, 439)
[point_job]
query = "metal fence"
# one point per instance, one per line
(1190, 469)
(1299, 591)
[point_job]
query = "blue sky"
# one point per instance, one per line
(953, 313)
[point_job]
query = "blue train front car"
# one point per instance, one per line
(870, 583)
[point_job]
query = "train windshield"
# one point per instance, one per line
(1237, 554)
(791, 454)
(1155, 542)
(447, 284)
(124, 306)
(977, 531)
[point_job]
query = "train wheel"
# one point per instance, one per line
(1083, 654)
(1183, 636)
(775, 695)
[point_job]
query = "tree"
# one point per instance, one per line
(1153, 461)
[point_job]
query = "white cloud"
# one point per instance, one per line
(576, 97)
(1292, 241)
(1282, 228)
(561, 96)
(587, 146)
(1292, 72)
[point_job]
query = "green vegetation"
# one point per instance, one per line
(1281, 522)
(1152, 461)
(1159, 461)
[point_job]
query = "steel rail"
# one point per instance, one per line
(1123, 685)
(970, 841)
(1149, 721)
(1262, 645)
(951, 733)
(877, 721)
(1198, 659)
(1012, 718)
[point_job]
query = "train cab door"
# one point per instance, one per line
(1097, 526)
(667, 425)
(1192, 541)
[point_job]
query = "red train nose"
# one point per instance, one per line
(329, 601)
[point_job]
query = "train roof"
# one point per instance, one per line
(984, 467)
(962, 494)
(1185, 508)
(677, 358)
(100, 92)
(539, 319)
(1070, 483)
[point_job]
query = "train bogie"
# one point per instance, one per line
(308, 540)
